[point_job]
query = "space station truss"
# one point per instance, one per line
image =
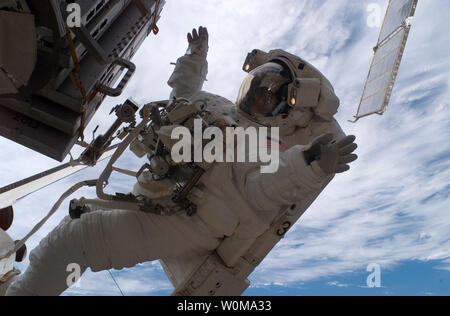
(387, 58)
(75, 69)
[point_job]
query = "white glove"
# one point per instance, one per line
(331, 156)
(198, 42)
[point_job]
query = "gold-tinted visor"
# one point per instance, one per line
(262, 92)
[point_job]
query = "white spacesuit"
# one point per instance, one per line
(236, 203)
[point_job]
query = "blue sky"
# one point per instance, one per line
(391, 209)
(415, 278)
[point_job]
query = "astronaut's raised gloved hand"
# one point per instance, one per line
(198, 42)
(331, 156)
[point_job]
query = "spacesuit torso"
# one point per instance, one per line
(236, 200)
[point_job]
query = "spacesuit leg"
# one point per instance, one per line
(110, 239)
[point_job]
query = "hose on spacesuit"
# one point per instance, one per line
(118, 153)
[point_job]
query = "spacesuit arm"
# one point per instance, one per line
(191, 69)
(188, 77)
(294, 181)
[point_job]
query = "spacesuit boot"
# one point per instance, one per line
(7, 280)
(7, 272)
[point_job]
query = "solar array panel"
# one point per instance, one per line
(387, 58)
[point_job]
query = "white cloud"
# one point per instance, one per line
(337, 284)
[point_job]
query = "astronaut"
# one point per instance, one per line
(235, 201)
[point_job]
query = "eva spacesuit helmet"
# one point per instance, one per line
(264, 90)
(284, 86)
